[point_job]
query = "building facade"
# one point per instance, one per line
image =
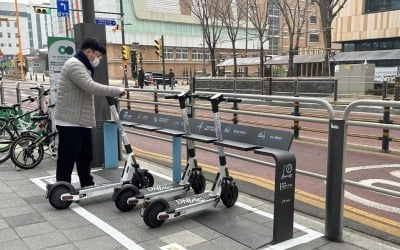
(146, 20)
(34, 29)
(368, 25)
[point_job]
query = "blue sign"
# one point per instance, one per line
(109, 22)
(62, 8)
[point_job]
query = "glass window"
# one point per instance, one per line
(313, 19)
(385, 45)
(363, 46)
(9, 35)
(375, 45)
(8, 24)
(396, 44)
(197, 54)
(347, 47)
(169, 53)
(9, 45)
(285, 33)
(16, 35)
(181, 54)
(314, 38)
(1, 34)
(381, 5)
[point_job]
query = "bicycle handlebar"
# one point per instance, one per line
(29, 98)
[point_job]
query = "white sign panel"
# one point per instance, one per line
(385, 73)
(60, 50)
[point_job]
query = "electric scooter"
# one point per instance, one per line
(127, 197)
(61, 194)
(157, 211)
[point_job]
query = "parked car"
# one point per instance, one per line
(152, 78)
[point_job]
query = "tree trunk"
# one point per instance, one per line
(234, 59)
(261, 71)
(291, 55)
(326, 32)
(213, 64)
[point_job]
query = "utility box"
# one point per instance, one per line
(354, 78)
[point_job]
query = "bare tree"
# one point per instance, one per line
(295, 14)
(328, 11)
(232, 14)
(258, 16)
(207, 13)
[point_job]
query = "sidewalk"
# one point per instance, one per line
(27, 221)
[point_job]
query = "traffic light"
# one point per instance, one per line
(126, 52)
(139, 58)
(39, 10)
(159, 47)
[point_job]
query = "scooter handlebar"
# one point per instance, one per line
(29, 98)
(111, 100)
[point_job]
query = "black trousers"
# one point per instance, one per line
(74, 146)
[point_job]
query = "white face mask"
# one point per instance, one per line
(95, 62)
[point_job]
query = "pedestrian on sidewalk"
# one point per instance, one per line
(171, 76)
(141, 78)
(75, 114)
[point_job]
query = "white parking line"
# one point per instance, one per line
(102, 225)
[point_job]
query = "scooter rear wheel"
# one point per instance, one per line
(55, 197)
(121, 201)
(151, 212)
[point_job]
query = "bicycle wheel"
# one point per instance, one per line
(6, 138)
(25, 153)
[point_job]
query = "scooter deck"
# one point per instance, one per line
(98, 189)
(191, 201)
(159, 190)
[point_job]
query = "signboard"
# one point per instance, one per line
(60, 50)
(62, 8)
(109, 22)
(385, 73)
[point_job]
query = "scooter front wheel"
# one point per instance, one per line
(197, 182)
(229, 193)
(55, 197)
(151, 213)
(143, 180)
(121, 201)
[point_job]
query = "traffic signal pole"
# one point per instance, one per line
(163, 62)
(124, 64)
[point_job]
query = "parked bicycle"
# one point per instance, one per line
(27, 151)
(12, 126)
